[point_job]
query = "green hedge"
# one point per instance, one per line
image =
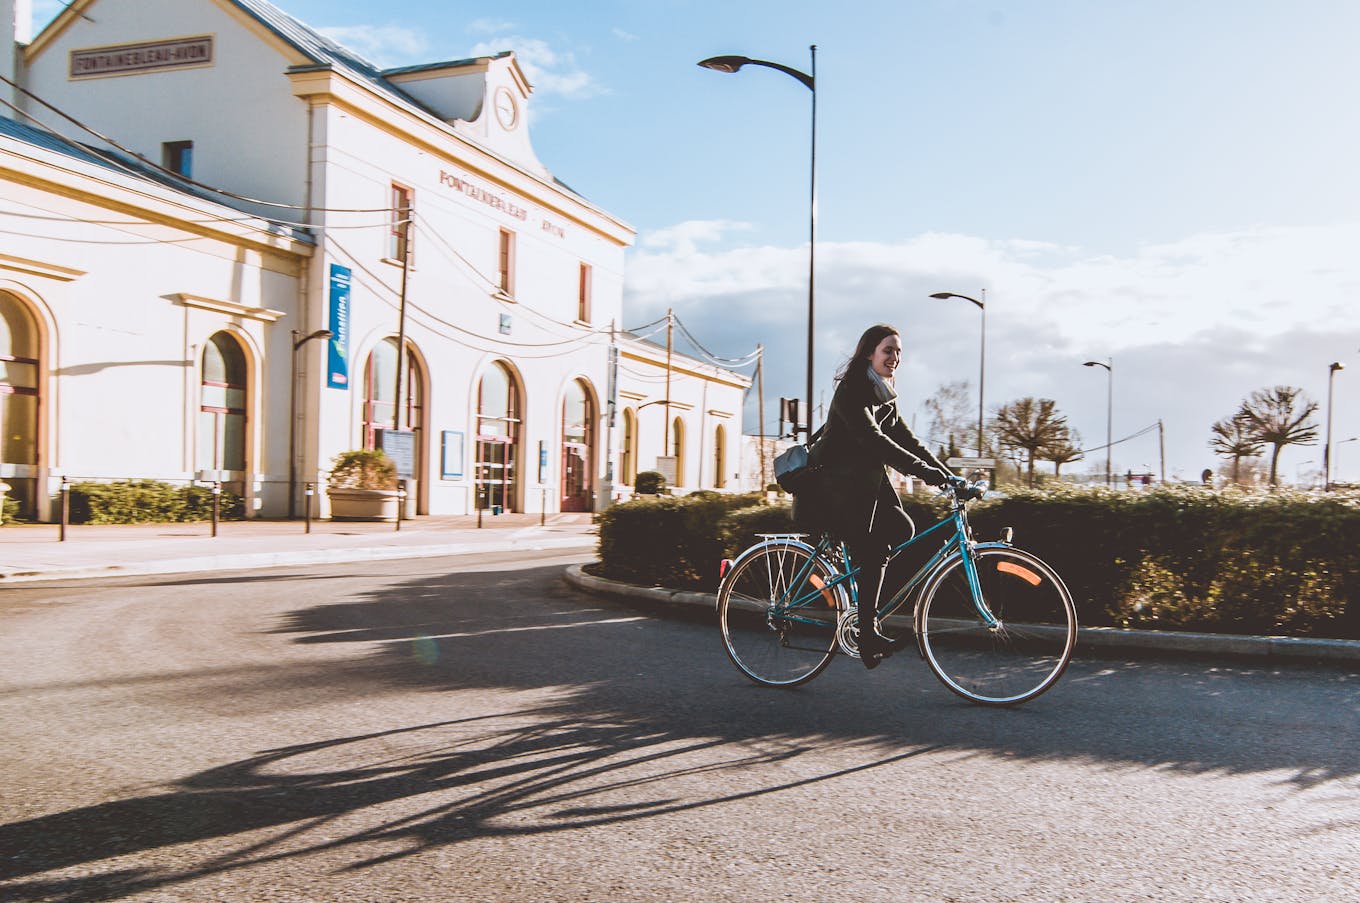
(1179, 558)
(148, 502)
(668, 540)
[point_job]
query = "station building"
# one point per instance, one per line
(234, 249)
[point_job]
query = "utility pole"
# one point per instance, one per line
(612, 404)
(1161, 447)
(401, 310)
(666, 430)
(760, 409)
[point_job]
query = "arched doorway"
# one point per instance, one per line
(380, 409)
(578, 448)
(380, 392)
(497, 466)
(20, 400)
(223, 388)
(628, 453)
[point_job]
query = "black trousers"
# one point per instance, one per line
(870, 536)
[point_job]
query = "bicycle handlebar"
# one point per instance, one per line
(964, 491)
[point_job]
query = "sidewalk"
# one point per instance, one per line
(30, 552)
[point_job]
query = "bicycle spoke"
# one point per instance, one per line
(770, 632)
(1019, 657)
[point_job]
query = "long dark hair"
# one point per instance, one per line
(858, 363)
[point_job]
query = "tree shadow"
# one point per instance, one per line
(646, 718)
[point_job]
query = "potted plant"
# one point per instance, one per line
(362, 486)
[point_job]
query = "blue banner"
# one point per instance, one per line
(337, 349)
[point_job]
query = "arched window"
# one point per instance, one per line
(498, 436)
(678, 449)
(222, 405)
(719, 457)
(18, 383)
(628, 453)
(578, 449)
(380, 391)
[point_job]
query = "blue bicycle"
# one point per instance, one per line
(995, 624)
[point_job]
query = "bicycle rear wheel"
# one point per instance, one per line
(778, 625)
(1019, 657)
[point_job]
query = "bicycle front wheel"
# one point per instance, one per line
(1014, 659)
(778, 623)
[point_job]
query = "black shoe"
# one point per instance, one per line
(874, 647)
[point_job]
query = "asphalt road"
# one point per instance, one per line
(473, 729)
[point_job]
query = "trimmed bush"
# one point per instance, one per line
(649, 482)
(1179, 558)
(364, 468)
(667, 541)
(148, 502)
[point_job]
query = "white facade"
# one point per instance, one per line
(511, 293)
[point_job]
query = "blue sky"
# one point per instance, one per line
(1173, 185)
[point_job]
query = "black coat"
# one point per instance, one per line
(861, 439)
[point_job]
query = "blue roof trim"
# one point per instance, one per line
(321, 50)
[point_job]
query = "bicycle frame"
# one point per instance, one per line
(959, 541)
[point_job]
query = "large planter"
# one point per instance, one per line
(363, 504)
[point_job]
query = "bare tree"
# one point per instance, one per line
(950, 414)
(1280, 416)
(1232, 439)
(1064, 450)
(1031, 424)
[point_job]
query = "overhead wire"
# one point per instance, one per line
(159, 168)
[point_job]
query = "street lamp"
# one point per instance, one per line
(292, 414)
(982, 355)
(1327, 449)
(732, 64)
(1109, 413)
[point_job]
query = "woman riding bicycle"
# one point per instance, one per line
(863, 436)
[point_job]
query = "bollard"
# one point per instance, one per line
(65, 506)
(217, 498)
(307, 515)
(401, 502)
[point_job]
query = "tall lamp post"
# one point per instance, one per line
(292, 414)
(1108, 364)
(732, 64)
(982, 354)
(1327, 449)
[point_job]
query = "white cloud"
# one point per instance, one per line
(1193, 326)
(385, 45)
(550, 71)
(626, 36)
(490, 26)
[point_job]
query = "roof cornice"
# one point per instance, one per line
(326, 84)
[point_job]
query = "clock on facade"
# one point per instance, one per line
(507, 111)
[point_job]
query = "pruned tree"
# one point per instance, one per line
(1064, 450)
(1280, 416)
(1032, 425)
(1233, 439)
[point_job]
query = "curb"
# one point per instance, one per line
(252, 560)
(1278, 648)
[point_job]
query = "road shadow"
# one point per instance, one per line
(648, 719)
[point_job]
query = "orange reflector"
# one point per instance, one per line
(723, 567)
(1023, 573)
(826, 593)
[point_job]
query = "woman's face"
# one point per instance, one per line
(887, 356)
